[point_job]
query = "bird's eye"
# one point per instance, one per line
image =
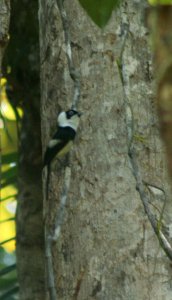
(71, 113)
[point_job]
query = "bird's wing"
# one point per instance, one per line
(52, 150)
(61, 138)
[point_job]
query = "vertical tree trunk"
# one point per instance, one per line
(4, 28)
(22, 56)
(107, 248)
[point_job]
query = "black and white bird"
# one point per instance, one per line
(62, 140)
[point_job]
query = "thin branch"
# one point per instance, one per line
(74, 74)
(162, 191)
(50, 269)
(63, 201)
(140, 186)
(53, 237)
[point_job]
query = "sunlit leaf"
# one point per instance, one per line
(160, 2)
(3, 81)
(8, 191)
(8, 197)
(99, 10)
(7, 241)
(7, 220)
(7, 110)
(7, 230)
(5, 127)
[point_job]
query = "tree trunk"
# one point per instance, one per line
(22, 56)
(4, 28)
(107, 248)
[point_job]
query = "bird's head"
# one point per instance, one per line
(69, 118)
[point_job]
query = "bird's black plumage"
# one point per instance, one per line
(63, 135)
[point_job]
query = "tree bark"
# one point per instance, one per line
(22, 56)
(107, 248)
(4, 28)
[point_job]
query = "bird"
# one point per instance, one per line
(62, 141)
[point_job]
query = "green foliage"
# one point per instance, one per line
(7, 220)
(8, 181)
(6, 282)
(6, 241)
(8, 276)
(9, 158)
(99, 10)
(9, 294)
(160, 2)
(7, 270)
(9, 174)
(8, 197)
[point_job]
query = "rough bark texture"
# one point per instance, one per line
(107, 248)
(22, 56)
(4, 27)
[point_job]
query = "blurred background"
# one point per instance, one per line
(9, 127)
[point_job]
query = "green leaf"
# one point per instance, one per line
(7, 283)
(8, 197)
(6, 241)
(6, 127)
(7, 220)
(7, 270)
(99, 10)
(9, 158)
(6, 295)
(11, 180)
(11, 172)
(160, 2)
